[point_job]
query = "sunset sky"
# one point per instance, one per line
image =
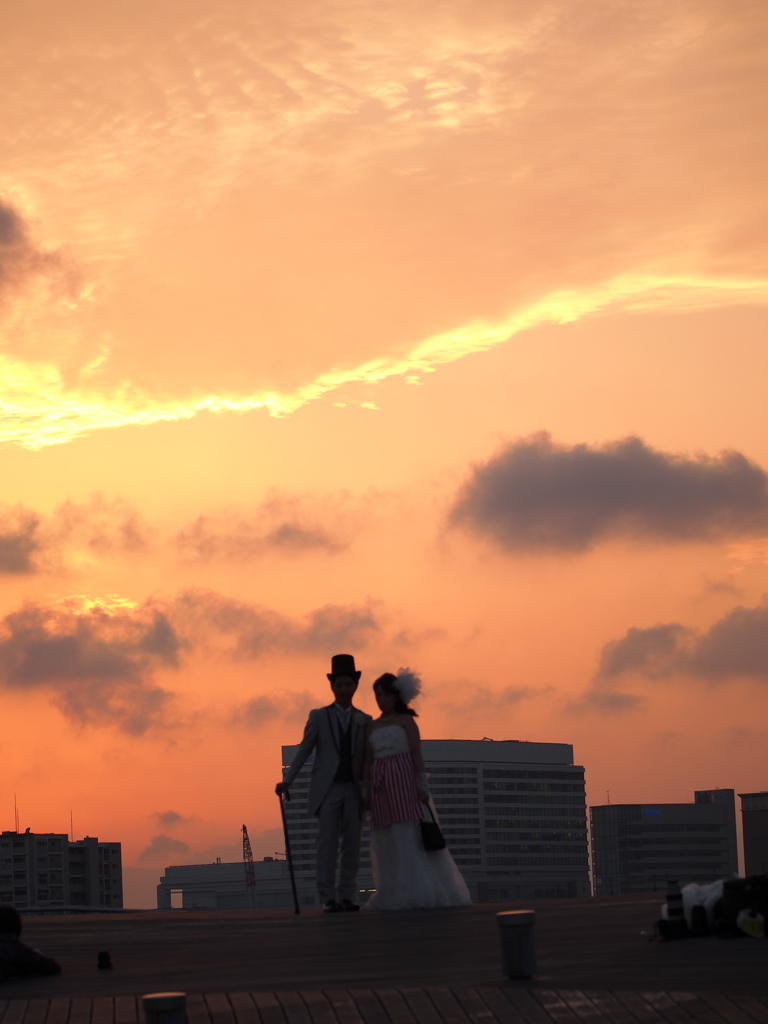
(434, 333)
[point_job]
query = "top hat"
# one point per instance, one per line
(343, 665)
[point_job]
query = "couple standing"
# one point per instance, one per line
(364, 763)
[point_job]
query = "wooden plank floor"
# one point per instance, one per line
(498, 1004)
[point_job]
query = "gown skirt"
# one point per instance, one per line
(405, 875)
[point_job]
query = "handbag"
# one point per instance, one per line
(431, 836)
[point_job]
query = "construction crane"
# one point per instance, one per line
(250, 874)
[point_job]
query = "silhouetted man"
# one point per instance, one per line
(336, 734)
(16, 959)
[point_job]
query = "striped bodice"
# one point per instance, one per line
(394, 796)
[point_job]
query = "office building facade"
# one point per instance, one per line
(639, 847)
(754, 827)
(513, 814)
(45, 871)
(223, 887)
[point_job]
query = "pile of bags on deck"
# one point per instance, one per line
(726, 908)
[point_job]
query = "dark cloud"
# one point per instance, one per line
(480, 701)
(19, 540)
(101, 524)
(97, 663)
(733, 648)
(161, 848)
(21, 259)
(260, 711)
(606, 701)
(170, 818)
(31, 543)
(98, 660)
(650, 652)
(536, 495)
(288, 524)
(254, 630)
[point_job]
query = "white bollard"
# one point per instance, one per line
(165, 1008)
(518, 945)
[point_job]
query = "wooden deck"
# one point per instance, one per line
(501, 1004)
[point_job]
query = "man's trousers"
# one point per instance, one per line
(339, 815)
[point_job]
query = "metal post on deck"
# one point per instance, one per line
(165, 1007)
(518, 944)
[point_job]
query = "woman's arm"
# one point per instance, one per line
(365, 785)
(414, 745)
(368, 762)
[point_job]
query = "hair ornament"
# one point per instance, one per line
(407, 684)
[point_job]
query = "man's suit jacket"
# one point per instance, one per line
(322, 734)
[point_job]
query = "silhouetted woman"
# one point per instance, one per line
(396, 790)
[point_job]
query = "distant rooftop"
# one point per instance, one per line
(493, 751)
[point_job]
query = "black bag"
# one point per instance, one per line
(431, 836)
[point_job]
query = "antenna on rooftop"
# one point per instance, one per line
(15, 812)
(71, 827)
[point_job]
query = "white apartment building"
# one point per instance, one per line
(45, 871)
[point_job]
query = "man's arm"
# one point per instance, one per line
(307, 745)
(22, 962)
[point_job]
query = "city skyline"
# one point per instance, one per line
(434, 334)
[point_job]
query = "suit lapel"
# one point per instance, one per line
(355, 727)
(333, 725)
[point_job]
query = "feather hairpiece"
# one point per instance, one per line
(407, 684)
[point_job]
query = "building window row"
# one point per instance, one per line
(537, 787)
(524, 823)
(508, 773)
(538, 848)
(541, 836)
(680, 841)
(534, 862)
(551, 801)
(452, 790)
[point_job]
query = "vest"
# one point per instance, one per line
(345, 772)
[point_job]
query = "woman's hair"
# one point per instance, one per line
(388, 683)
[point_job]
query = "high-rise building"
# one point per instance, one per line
(638, 847)
(754, 828)
(45, 871)
(513, 814)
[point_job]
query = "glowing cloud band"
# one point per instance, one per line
(38, 410)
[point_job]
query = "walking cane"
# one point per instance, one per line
(288, 851)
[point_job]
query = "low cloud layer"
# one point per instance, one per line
(288, 524)
(734, 647)
(20, 543)
(98, 663)
(252, 630)
(31, 543)
(21, 260)
(171, 818)
(260, 711)
(99, 659)
(538, 496)
(162, 848)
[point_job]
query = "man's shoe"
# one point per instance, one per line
(331, 907)
(348, 905)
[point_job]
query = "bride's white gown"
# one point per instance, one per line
(404, 874)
